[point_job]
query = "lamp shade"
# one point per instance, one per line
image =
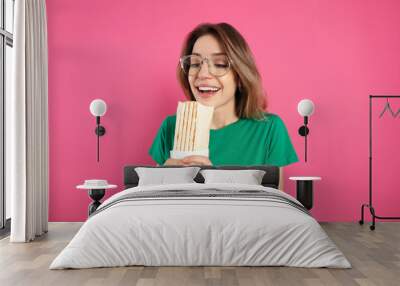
(98, 107)
(305, 107)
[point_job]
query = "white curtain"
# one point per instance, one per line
(27, 123)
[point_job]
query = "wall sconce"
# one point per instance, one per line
(305, 109)
(98, 108)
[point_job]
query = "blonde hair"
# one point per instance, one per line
(250, 101)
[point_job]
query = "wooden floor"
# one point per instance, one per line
(375, 257)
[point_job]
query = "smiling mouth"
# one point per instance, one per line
(207, 90)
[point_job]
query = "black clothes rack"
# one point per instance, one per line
(369, 205)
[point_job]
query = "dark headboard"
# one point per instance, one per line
(270, 179)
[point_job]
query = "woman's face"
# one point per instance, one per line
(224, 97)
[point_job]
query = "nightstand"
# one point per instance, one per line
(304, 190)
(96, 190)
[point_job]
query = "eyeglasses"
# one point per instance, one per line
(218, 65)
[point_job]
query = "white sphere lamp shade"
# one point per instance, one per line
(305, 107)
(98, 107)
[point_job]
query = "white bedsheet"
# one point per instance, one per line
(200, 231)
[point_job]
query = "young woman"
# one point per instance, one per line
(217, 69)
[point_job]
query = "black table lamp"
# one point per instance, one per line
(98, 108)
(305, 109)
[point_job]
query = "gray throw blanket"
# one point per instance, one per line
(205, 193)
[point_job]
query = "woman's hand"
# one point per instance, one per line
(196, 160)
(173, 162)
(189, 160)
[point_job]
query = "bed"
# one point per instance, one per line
(201, 224)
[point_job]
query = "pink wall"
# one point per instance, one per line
(125, 52)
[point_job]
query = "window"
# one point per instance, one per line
(6, 61)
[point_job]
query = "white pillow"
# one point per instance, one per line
(248, 177)
(162, 176)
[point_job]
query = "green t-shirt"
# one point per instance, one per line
(243, 142)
